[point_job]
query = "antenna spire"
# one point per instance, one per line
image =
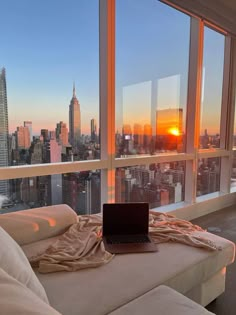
(74, 95)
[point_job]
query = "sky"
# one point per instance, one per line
(49, 44)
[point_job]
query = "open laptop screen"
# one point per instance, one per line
(125, 218)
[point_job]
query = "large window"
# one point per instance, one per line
(50, 51)
(104, 101)
(152, 54)
(159, 184)
(80, 190)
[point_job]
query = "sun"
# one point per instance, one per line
(174, 131)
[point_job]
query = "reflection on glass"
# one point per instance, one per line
(151, 78)
(49, 89)
(81, 191)
(159, 184)
(212, 82)
(208, 177)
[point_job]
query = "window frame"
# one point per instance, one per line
(108, 163)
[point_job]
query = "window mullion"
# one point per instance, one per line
(107, 96)
(193, 106)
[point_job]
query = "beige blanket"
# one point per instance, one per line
(82, 247)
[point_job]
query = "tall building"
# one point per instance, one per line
(120, 185)
(29, 125)
(147, 136)
(4, 157)
(62, 133)
(36, 152)
(93, 130)
(53, 155)
(74, 121)
(23, 137)
(45, 134)
(138, 135)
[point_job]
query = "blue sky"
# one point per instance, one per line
(45, 46)
(48, 44)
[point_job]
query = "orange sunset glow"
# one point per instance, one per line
(174, 131)
(169, 121)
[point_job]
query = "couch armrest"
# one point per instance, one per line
(37, 224)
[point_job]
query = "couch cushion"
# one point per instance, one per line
(14, 262)
(129, 276)
(32, 225)
(15, 298)
(161, 301)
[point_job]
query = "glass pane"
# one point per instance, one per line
(81, 191)
(212, 82)
(233, 175)
(152, 55)
(208, 177)
(159, 184)
(49, 90)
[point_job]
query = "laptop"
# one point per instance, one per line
(125, 228)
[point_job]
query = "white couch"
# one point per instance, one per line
(130, 283)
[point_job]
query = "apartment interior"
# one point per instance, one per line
(162, 129)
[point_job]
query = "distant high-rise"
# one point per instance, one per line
(93, 130)
(4, 156)
(138, 135)
(29, 125)
(23, 137)
(62, 133)
(45, 134)
(74, 121)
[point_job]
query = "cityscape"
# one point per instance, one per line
(159, 184)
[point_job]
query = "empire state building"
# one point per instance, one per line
(74, 121)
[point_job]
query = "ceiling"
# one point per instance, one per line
(219, 12)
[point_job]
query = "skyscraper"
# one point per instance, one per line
(93, 130)
(29, 125)
(62, 133)
(4, 157)
(23, 137)
(74, 121)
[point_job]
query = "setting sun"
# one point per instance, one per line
(174, 131)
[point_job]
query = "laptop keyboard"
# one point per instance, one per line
(127, 239)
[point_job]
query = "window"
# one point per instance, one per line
(208, 177)
(212, 82)
(59, 90)
(159, 184)
(80, 190)
(151, 78)
(50, 86)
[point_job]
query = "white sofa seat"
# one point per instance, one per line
(129, 276)
(161, 301)
(192, 271)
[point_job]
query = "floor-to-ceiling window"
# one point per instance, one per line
(112, 101)
(49, 83)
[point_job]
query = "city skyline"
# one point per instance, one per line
(45, 52)
(167, 134)
(41, 66)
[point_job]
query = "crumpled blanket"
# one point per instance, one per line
(81, 245)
